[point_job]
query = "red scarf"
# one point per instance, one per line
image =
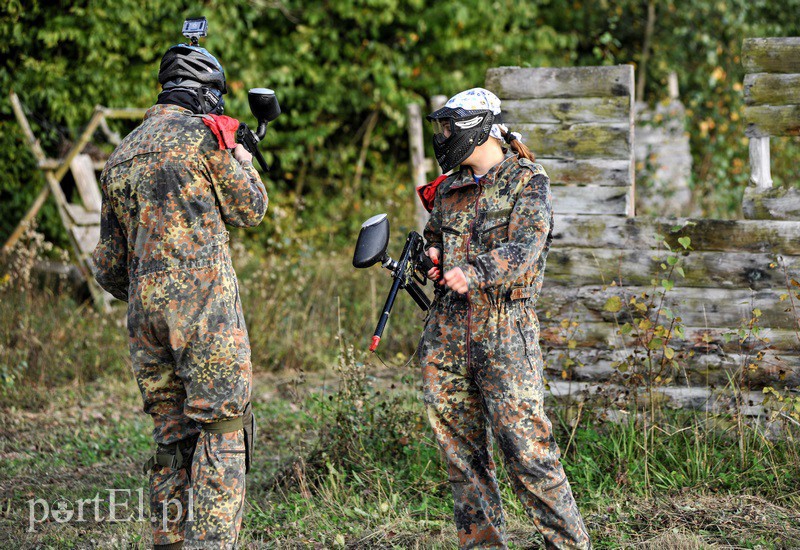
(224, 127)
(427, 192)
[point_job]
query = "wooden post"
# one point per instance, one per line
(759, 163)
(437, 102)
(672, 86)
(420, 166)
(418, 169)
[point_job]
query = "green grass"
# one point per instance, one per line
(345, 457)
(322, 481)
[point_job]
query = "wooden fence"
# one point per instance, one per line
(579, 122)
(737, 272)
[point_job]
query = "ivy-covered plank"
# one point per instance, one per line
(733, 270)
(768, 236)
(712, 307)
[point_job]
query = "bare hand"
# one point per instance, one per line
(434, 254)
(241, 154)
(456, 280)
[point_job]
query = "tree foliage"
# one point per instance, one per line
(336, 65)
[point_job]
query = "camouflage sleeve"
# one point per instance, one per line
(241, 195)
(110, 256)
(433, 229)
(528, 227)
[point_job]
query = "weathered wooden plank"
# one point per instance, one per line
(610, 172)
(767, 120)
(771, 55)
(525, 83)
(579, 141)
(597, 266)
(82, 170)
(701, 340)
(131, 113)
(769, 89)
(712, 307)
(772, 236)
(776, 369)
(759, 163)
(87, 237)
(710, 399)
(54, 164)
(80, 215)
(592, 199)
(773, 203)
(567, 110)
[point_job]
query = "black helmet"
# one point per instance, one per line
(184, 62)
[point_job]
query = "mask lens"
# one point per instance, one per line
(441, 127)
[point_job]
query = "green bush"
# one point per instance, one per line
(336, 65)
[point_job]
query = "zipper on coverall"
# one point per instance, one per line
(469, 301)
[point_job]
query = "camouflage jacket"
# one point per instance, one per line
(168, 190)
(497, 231)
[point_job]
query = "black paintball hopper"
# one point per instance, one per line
(372, 242)
(264, 106)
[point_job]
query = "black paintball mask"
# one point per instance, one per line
(456, 133)
(195, 96)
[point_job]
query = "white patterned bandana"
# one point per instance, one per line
(478, 99)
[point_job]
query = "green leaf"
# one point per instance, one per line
(613, 304)
(655, 343)
(685, 242)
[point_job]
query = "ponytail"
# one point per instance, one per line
(517, 146)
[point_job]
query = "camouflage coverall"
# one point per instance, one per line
(482, 365)
(168, 191)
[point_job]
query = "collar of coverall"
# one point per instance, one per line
(464, 178)
(158, 110)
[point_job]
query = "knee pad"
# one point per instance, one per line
(175, 455)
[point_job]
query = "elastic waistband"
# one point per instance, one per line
(214, 253)
(220, 259)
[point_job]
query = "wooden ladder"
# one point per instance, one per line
(82, 221)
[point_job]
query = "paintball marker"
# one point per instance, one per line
(407, 271)
(264, 105)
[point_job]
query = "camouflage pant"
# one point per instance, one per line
(482, 373)
(191, 357)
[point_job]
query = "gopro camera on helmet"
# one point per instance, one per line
(195, 28)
